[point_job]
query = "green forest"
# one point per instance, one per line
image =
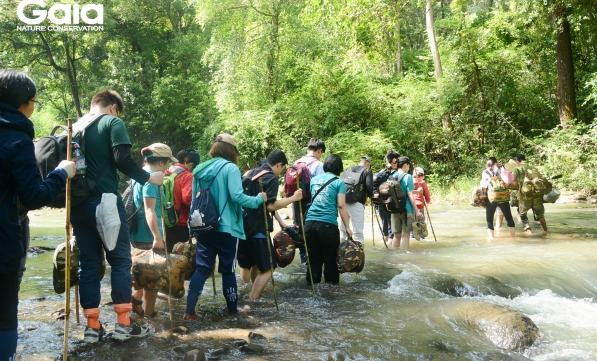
(447, 83)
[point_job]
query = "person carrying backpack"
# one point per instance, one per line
(321, 224)
(402, 221)
(220, 178)
(253, 254)
(108, 149)
(314, 167)
(378, 178)
(495, 177)
(19, 177)
(359, 186)
(178, 189)
(529, 195)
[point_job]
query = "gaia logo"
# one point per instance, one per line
(71, 14)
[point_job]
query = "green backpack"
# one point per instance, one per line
(171, 216)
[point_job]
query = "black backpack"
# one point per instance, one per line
(380, 177)
(52, 149)
(355, 187)
(391, 195)
(252, 218)
(204, 216)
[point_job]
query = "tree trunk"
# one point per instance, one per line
(71, 73)
(565, 65)
(399, 69)
(432, 43)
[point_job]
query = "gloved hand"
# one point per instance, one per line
(69, 167)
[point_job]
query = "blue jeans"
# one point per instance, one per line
(210, 245)
(90, 250)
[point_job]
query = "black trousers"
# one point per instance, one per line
(9, 284)
(323, 240)
(490, 211)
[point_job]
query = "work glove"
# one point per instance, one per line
(69, 167)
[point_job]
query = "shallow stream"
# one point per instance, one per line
(387, 312)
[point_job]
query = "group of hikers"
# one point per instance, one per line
(244, 208)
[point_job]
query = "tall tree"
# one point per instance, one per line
(565, 64)
(437, 64)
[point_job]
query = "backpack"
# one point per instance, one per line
(52, 149)
(497, 191)
(355, 187)
(128, 198)
(172, 211)
(204, 216)
(379, 178)
(534, 184)
(298, 172)
(350, 256)
(253, 217)
(391, 195)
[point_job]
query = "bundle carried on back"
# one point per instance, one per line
(534, 183)
(149, 271)
(479, 197)
(497, 190)
(351, 256)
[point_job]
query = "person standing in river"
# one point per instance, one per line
(108, 149)
(19, 177)
(492, 167)
(496, 173)
(402, 222)
(378, 178)
(525, 201)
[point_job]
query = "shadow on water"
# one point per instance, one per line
(393, 310)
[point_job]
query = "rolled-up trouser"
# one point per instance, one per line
(534, 203)
(490, 209)
(90, 257)
(356, 214)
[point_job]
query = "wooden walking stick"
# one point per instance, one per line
(69, 157)
(372, 228)
(77, 301)
(429, 218)
(298, 183)
(269, 247)
(166, 252)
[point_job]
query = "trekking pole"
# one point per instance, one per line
(381, 230)
(372, 228)
(269, 247)
(429, 218)
(69, 154)
(213, 277)
(298, 182)
(166, 252)
(77, 301)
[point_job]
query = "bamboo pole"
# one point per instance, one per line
(167, 258)
(67, 228)
(269, 247)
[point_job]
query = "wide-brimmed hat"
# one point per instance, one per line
(159, 150)
(510, 165)
(227, 138)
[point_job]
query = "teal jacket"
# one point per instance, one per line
(227, 186)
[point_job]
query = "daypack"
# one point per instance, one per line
(173, 210)
(355, 186)
(132, 217)
(378, 179)
(391, 195)
(52, 149)
(204, 216)
(350, 256)
(534, 184)
(299, 172)
(253, 217)
(497, 191)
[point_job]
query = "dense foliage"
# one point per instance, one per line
(357, 73)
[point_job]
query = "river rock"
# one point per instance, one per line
(194, 355)
(256, 336)
(504, 327)
(251, 348)
(180, 329)
(493, 286)
(451, 286)
(181, 348)
(239, 343)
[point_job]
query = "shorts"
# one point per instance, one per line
(142, 245)
(254, 251)
(402, 223)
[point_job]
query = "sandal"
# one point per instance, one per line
(137, 306)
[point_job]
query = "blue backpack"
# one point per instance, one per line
(204, 216)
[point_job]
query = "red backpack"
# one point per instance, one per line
(299, 171)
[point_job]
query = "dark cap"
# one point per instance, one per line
(404, 159)
(365, 158)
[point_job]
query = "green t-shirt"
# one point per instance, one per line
(100, 138)
(140, 192)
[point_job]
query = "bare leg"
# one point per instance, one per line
(500, 221)
(489, 234)
(150, 297)
(245, 275)
(405, 240)
(254, 273)
(138, 295)
(512, 231)
(395, 242)
(544, 225)
(259, 284)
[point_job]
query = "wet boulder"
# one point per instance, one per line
(451, 286)
(194, 355)
(504, 327)
(492, 286)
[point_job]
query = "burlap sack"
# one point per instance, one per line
(149, 272)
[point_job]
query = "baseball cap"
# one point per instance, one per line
(419, 170)
(159, 150)
(227, 138)
(365, 158)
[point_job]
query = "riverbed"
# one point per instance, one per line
(387, 312)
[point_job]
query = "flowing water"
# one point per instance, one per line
(387, 312)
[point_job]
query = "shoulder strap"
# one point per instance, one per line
(258, 175)
(325, 185)
(307, 162)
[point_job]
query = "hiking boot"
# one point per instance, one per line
(188, 318)
(123, 333)
(424, 232)
(417, 231)
(93, 335)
